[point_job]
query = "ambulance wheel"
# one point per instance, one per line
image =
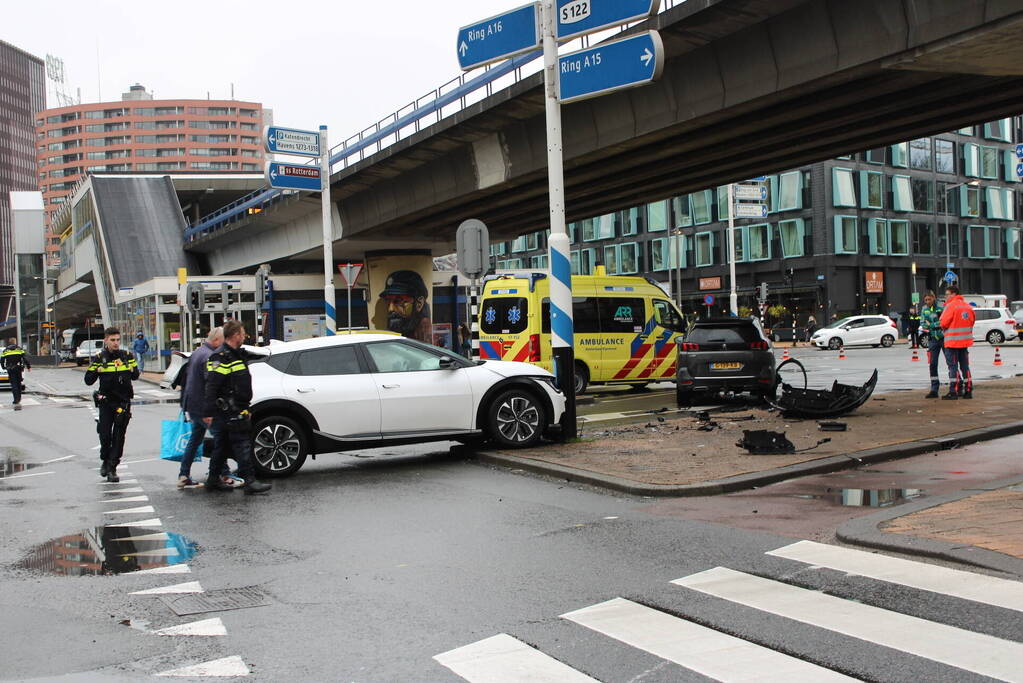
(582, 378)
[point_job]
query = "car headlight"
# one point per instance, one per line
(550, 381)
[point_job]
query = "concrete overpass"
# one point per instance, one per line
(749, 87)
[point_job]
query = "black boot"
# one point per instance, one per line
(112, 471)
(968, 394)
(215, 484)
(933, 394)
(253, 486)
(103, 469)
(950, 396)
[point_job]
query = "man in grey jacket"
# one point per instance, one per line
(192, 397)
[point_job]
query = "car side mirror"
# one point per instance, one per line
(448, 363)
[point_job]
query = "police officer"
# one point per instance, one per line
(14, 361)
(913, 327)
(115, 369)
(226, 409)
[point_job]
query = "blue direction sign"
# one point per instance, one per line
(607, 67)
(304, 143)
(578, 17)
(1019, 170)
(950, 277)
(293, 176)
(1019, 151)
(500, 37)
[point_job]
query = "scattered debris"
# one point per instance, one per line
(832, 426)
(702, 415)
(765, 442)
(707, 427)
(813, 403)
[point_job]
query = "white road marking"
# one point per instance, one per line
(96, 448)
(132, 462)
(161, 394)
(504, 659)
(158, 536)
(22, 476)
(961, 584)
(189, 587)
(140, 510)
(169, 569)
(698, 648)
(142, 524)
(204, 627)
(119, 483)
(977, 652)
(62, 399)
(29, 402)
(133, 489)
(66, 457)
(224, 668)
(129, 499)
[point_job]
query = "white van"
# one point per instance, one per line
(86, 350)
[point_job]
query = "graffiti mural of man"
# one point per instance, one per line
(408, 313)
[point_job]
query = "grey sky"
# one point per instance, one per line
(344, 63)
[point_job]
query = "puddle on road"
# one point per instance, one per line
(874, 498)
(10, 462)
(108, 550)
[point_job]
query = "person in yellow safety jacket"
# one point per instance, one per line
(115, 369)
(14, 361)
(957, 324)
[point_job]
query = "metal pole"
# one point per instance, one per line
(733, 297)
(349, 308)
(329, 303)
(558, 244)
(679, 244)
(474, 320)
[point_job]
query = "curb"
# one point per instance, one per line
(754, 479)
(863, 531)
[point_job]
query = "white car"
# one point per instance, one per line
(86, 350)
(994, 325)
(857, 330)
(348, 392)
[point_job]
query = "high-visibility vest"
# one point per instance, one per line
(957, 321)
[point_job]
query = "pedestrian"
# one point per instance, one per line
(14, 361)
(193, 393)
(811, 327)
(465, 339)
(115, 369)
(141, 347)
(930, 324)
(913, 327)
(957, 326)
(227, 395)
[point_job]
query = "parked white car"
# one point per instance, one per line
(994, 325)
(857, 330)
(86, 350)
(348, 392)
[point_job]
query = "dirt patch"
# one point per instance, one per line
(676, 451)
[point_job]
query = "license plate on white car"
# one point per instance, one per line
(726, 366)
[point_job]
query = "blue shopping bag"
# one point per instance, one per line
(174, 436)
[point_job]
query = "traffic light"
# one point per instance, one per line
(195, 297)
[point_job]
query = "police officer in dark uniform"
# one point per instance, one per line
(226, 408)
(115, 369)
(14, 361)
(913, 327)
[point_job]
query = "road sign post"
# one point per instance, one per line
(733, 297)
(329, 303)
(350, 272)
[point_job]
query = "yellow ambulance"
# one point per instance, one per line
(625, 327)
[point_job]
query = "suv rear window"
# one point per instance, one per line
(710, 334)
(504, 315)
(987, 313)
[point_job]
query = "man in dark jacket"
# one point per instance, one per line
(193, 394)
(227, 395)
(14, 361)
(116, 370)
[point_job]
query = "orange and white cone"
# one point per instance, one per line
(841, 352)
(998, 356)
(785, 355)
(916, 356)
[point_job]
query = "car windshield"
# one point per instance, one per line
(723, 334)
(837, 323)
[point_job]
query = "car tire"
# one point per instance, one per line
(516, 419)
(279, 446)
(995, 337)
(835, 343)
(887, 341)
(582, 378)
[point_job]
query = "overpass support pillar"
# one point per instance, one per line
(400, 291)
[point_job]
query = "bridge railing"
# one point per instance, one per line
(444, 101)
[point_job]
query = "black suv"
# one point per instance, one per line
(724, 354)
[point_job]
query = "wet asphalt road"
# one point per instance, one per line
(374, 562)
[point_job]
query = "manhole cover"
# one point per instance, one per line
(216, 601)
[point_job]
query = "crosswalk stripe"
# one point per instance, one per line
(698, 648)
(504, 659)
(977, 652)
(129, 499)
(29, 402)
(966, 585)
(62, 399)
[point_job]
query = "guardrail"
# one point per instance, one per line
(462, 91)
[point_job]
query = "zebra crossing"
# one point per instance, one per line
(81, 401)
(712, 653)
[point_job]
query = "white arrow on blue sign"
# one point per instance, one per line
(950, 277)
(751, 211)
(304, 143)
(293, 176)
(607, 67)
(500, 37)
(1019, 151)
(757, 193)
(579, 17)
(1019, 170)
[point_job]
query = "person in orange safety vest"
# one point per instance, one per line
(957, 323)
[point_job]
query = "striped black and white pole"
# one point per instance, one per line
(474, 318)
(259, 327)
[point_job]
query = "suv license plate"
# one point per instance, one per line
(726, 366)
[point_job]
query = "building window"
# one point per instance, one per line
(993, 241)
(1012, 247)
(923, 239)
(971, 160)
(1010, 162)
(920, 154)
(703, 246)
(630, 221)
(969, 201)
(519, 244)
(846, 237)
(583, 261)
(701, 203)
(898, 238)
(989, 162)
(877, 234)
(790, 233)
(1000, 203)
(722, 202)
(538, 262)
(976, 246)
(790, 191)
(657, 217)
(667, 252)
(875, 156)
(968, 130)
(621, 259)
(843, 193)
(923, 195)
(871, 190)
(758, 241)
(944, 156)
(999, 130)
(683, 211)
(902, 193)
(900, 155)
(948, 241)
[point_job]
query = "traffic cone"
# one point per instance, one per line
(841, 352)
(916, 356)
(998, 356)
(785, 356)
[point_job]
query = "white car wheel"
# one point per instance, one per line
(516, 419)
(279, 447)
